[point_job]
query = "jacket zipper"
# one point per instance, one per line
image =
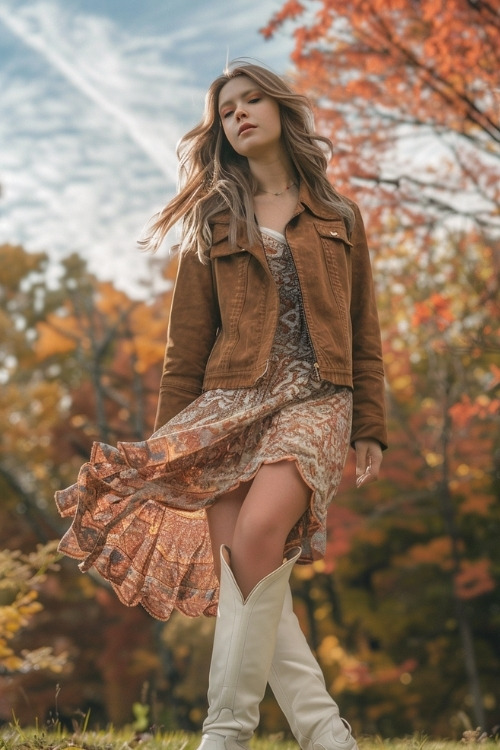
(317, 373)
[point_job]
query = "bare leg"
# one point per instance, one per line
(254, 521)
(222, 519)
(276, 500)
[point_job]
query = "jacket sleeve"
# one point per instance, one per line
(193, 325)
(369, 419)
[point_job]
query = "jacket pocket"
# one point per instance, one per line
(220, 247)
(334, 232)
(231, 282)
(336, 248)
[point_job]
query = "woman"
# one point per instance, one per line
(273, 367)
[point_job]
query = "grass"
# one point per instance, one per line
(15, 737)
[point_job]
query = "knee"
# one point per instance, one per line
(260, 533)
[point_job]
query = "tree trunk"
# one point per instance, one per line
(464, 626)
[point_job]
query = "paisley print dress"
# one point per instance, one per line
(138, 509)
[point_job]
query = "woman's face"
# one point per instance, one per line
(250, 119)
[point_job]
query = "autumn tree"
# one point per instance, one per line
(425, 558)
(80, 361)
(29, 403)
(411, 570)
(99, 336)
(408, 92)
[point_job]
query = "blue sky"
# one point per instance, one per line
(95, 95)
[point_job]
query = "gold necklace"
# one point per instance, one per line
(270, 192)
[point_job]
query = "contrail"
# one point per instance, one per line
(167, 165)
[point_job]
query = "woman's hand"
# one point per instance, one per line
(368, 460)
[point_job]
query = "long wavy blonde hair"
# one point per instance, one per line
(213, 177)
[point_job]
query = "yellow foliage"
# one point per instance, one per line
(433, 459)
(330, 651)
(20, 575)
(304, 572)
(401, 383)
(16, 264)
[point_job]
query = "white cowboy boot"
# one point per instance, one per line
(244, 641)
(299, 687)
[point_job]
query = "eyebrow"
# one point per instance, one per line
(228, 102)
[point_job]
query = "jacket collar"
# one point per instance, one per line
(306, 200)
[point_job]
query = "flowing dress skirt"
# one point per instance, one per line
(138, 509)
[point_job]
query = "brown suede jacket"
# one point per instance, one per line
(224, 315)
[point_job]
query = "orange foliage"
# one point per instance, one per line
(137, 328)
(112, 301)
(57, 334)
(436, 309)
(479, 503)
(291, 9)
(436, 552)
(474, 578)
(388, 76)
(483, 406)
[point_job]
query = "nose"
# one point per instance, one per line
(240, 111)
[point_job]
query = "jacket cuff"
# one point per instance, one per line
(369, 418)
(370, 432)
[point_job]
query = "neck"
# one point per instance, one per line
(274, 175)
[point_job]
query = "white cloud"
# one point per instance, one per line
(92, 108)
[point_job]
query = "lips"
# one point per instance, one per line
(245, 126)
